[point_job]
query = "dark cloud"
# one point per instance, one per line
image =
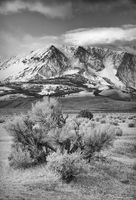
(52, 9)
(66, 9)
(133, 1)
(74, 1)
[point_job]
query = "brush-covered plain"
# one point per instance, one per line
(110, 174)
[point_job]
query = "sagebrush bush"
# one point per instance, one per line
(134, 166)
(45, 130)
(36, 142)
(85, 113)
(131, 117)
(2, 120)
(20, 158)
(70, 137)
(103, 116)
(132, 124)
(68, 166)
(115, 123)
(84, 136)
(96, 140)
(48, 114)
(31, 131)
(103, 121)
(118, 131)
(97, 119)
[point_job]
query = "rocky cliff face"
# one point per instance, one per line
(127, 70)
(54, 63)
(88, 59)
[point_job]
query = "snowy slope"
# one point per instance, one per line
(48, 62)
(110, 72)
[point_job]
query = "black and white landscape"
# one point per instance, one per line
(67, 99)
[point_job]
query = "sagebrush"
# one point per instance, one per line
(30, 131)
(68, 166)
(85, 113)
(45, 129)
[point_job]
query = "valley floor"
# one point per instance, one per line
(71, 104)
(111, 178)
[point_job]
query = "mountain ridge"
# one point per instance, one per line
(100, 68)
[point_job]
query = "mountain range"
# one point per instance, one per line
(70, 69)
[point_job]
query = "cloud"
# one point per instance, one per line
(104, 35)
(12, 45)
(49, 10)
(64, 8)
(124, 36)
(100, 6)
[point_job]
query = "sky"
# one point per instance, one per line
(27, 25)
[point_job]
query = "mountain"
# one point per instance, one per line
(127, 70)
(88, 59)
(47, 63)
(68, 69)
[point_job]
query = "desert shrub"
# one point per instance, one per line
(68, 166)
(20, 158)
(48, 114)
(44, 130)
(2, 120)
(103, 121)
(115, 123)
(28, 139)
(131, 117)
(84, 136)
(118, 131)
(70, 137)
(67, 138)
(103, 116)
(31, 132)
(96, 140)
(134, 166)
(121, 118)
(97, 119)
(86, 114)
(132, 124)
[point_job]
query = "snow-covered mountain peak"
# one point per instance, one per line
(95, 64)
(44, 62)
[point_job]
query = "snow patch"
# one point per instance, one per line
(71, 71)
(48, 89)
(110, 72)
